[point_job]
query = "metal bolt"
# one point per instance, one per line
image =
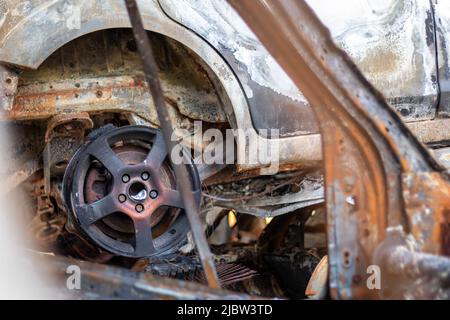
(122, 198)
(153, 194)
(139, 207)
(125, 178)
(145, 175)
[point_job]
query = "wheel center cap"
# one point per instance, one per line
(138, 191)
(140, 196)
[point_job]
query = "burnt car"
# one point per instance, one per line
(87, 154)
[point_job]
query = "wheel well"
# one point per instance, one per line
(98, 71)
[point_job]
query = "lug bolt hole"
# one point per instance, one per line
(125, 178)
(139, 207)
(145, 175)
(122, 198)
(153, 194)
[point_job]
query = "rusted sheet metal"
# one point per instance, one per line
(102, 281)
(274, 100)
(367, 148)
(109, 74)
(19, 20)
(128, 94)
(409, 273)
(427, 205)
(392, 43)
(428, 275)
(442, 19)
(55, 23)
(8, 87)
(107, 94)
(125, 93)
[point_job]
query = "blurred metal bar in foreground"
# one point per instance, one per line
(182, 176)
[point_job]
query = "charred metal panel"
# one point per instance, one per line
(41, 27)
(45, 27)
(275, 102)
(392, 42)
(109, 79)
(442, 18)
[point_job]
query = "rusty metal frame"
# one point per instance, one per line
(377, 174)
(99, 281)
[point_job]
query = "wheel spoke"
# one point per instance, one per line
(172, 198)
(90, 213)
(143, 237)
(158, 152)
(101, 150)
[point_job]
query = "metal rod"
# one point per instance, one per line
(403, 262)
(181, 174)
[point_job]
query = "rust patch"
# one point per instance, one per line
(427, 198)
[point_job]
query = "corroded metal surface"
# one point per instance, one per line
(427, 206)
(237, 73)
(367, 148)
(274, 101)
(102, 281)
(8, 81)
(392, 43)
(108, 79)
(20, 20)
(377, 173)
(408, 272)
(384, 38)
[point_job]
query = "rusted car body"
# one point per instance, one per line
(411, 72)
(71, 67)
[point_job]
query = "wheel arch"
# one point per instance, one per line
(42, 28)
